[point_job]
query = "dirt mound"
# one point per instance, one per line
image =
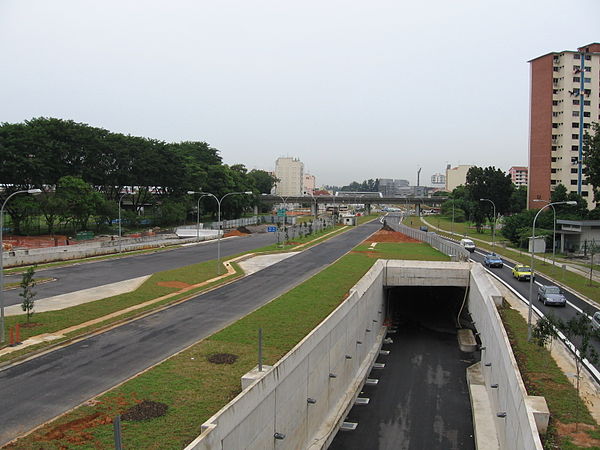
(234, 233)
(144, 410)
(384, 235)
(222, 358)
(244, 230)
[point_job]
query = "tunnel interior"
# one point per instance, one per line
(421, 399)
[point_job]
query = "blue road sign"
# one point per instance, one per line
(271, 229)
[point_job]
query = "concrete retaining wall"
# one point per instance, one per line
(329, 366)
(518, 429)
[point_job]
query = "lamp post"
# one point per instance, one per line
(197, 213)
(553, 227)
(25, 191)
(219, 221)
(570, 202)
(493, 229)
(120, 199)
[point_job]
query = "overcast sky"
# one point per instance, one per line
(356, 90)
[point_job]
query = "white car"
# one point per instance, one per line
(468, 244)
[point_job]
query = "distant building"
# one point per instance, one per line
(456, 176)
(518, 175)
(564, 101)
(438, 180)
(309, 184)
(290, 172)
(389, 187)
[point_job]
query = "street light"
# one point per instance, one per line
(120, 199)
(570, 202)
(493, 229)
(26, 191)
(197, 213)
(553, 229)
(219, 221)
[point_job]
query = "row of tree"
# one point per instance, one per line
(77, 161)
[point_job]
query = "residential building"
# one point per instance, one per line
(438, 180)
(456, 176)
(389, 187)
(309, 184)
(290, 172)
(518, 175)
(565, 100)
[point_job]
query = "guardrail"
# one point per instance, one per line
(443, 245)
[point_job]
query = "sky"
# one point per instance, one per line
(355, 89)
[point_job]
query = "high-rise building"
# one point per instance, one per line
(290, 172)
(456, 176)
(565, 100)
(518, 175)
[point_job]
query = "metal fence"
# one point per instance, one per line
(443, 245)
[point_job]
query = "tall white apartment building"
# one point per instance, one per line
(290, 172)
(565, 100)
(310, 182)
(456, 176)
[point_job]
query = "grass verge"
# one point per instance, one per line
(198, 388)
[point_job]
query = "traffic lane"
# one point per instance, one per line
(91, 274)
(422, 399)
(42, 388)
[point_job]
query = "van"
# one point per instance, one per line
(468, 244)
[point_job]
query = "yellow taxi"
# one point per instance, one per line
(521, 272)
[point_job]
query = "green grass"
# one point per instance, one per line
(197, 388)
(543, 377)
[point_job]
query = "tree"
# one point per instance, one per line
(78, 200)
(263, 181)
(518, 200)
(27, 285)
(591, 159)
(490, 183)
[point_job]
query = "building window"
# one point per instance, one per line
(586, 103)
(574, 159)
(554, 102)
(587, 80)
(554, 136)
(575, 113)
(576, 102)
(554, 125)
(555, 69)
(576, 79)
(575, 125)
(555, 80)
(584, 193)
(588, 57)
(574, 148)
(576, 67)
(554, 148)
(574, 170)
(553, 159)
(555, 91)
(573, 182)
(552, 181)
(552, 170)
(574, 136)
(575, 56)
(586, 125)
(588, 69)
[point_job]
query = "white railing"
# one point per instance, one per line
(443, 245)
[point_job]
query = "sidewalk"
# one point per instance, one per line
(574, 268)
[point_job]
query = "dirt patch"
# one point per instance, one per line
(77, 425)
(244, 230)
(368, 253)
(30, 324)
(389, 235)
(173, 284)
(145, 410)
(222, 358)
(579, 437)
(234, 233)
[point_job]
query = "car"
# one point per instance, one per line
(468, 244)
(551, 295)
(493, 260)
(521, 272)
(596, 321)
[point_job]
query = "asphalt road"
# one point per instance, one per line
(38, 390)
(422, 398)
(86, 275)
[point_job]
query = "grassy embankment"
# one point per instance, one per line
(198, 388)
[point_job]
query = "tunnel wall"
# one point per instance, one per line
(518, 429)
(344, 345)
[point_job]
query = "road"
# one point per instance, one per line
(86, 275)
(38, 390)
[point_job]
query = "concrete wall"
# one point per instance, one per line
(329, 366)
(518, 429)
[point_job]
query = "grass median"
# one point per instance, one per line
(198, 388)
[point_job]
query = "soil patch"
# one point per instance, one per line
(580, 437)
(146, 409)
(389, 235)
(173, 284)
(222, 358)
(31, 324)
(77, 425)
(369, 253)
(234, 233)
(244, 230)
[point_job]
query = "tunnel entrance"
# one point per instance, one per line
(421, 399)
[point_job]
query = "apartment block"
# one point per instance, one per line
(438, 180)
(518, 175)
(456, 176)
(565, 100)
(290, 172)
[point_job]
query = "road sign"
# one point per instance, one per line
(281, 212)
(271, 229)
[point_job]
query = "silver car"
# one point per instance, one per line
(551, 295)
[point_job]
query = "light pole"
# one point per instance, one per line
(570, 202)
(25, 191)
(197, 213)
(120, 199)
(219, 221)
(553, 227)
(493, 229)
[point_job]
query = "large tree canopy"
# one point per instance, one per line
(591, 159)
